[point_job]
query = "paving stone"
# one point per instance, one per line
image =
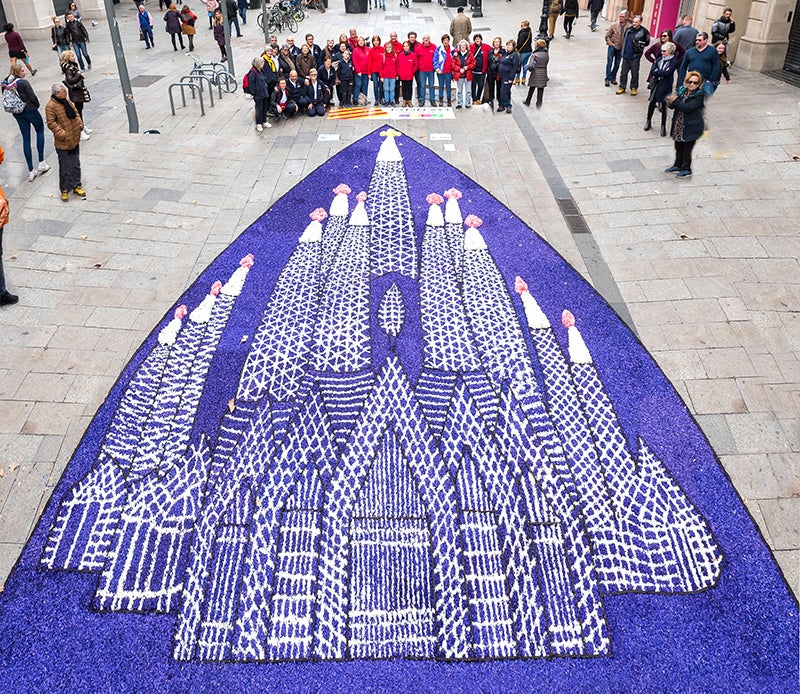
(757, 432)
(781, 518)
(715, 396)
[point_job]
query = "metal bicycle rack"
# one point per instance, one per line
(199, 78)
(210, 77)
(192, 87)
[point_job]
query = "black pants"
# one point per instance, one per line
(408, 89)
(346, 94)
(176, 36)
(261, 103)
(568, 25)
(477, 85)
(683, 155)
(69, 168)
(651, 107)
(539, 96)
(492, 86)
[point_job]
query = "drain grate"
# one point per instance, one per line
(145, 80)
(572, 216)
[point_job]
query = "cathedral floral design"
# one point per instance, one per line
(347, 506)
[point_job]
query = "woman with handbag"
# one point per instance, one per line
(659, 82)
(188, 20)
(492, 86)
(537, 69)
(687, 122)
(173, 19)
(6, 297)
(76, 87)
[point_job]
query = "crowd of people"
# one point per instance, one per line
(287, 79)
(686, 54)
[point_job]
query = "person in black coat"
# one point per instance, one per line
(316, 95)
(506, 71)
(570, 15)
(660, 83)
(282, 104)
(346, 76)
(297, 90)
(595, 7)
(687, 122)
(260, 91)
(327, 75)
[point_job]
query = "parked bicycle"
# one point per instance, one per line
(216, 72)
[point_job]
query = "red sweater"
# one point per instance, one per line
(389, 65)
(425, 56)
(375, 58)
(406, 65)
(361, 60)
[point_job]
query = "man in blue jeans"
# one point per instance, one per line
(146, 26)
(243, 10)
(635, 39)
(79, 37)
(614, 37)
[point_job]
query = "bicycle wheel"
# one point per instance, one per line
(227, 82)
(299, 15)
(260, 20)
(274, 25)
(291, 24)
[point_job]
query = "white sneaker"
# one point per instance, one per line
(32, 176)
(84, 136)
(259, 128)
(267, 124)
(43, 167)
(88, 131)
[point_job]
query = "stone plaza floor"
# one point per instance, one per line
(705, 270)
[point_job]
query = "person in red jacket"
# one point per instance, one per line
(374, 63)
(361, 73)
(463, 65)
(406, 70)
(388, 73)
(398, 49)
(425, 51)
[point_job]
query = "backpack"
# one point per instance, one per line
(12, 103)
(246, 83)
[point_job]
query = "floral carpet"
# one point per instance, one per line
(390, 439)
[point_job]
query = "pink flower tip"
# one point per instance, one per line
(473, 221)
(215, 288)
(567, 319)
(453, 193)
(318, 215)
(181, 311)
(520, 285)
(361, 196)
(342, 189)
(247, 261)
(434, 199)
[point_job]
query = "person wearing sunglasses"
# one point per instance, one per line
(654, 52)
(687, 122)
(704, 59)
(660, 82)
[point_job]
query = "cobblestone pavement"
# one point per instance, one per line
(704, 269)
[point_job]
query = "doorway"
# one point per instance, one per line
(793, 52)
